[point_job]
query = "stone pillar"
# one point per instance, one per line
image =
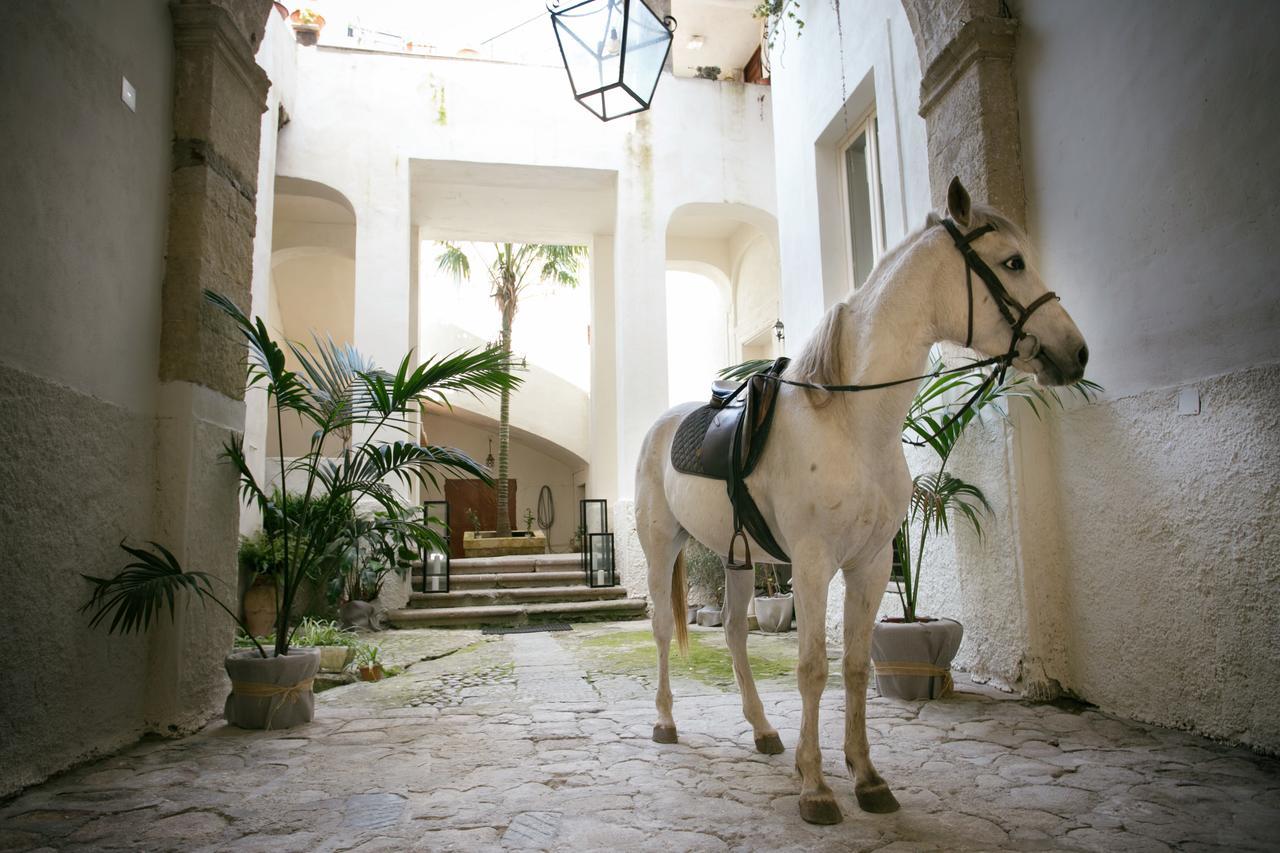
(219, 93)
(969, 101)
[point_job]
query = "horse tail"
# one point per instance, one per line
(680, 605)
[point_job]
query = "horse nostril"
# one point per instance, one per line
(1083, 356)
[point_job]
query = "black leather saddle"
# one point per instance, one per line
(725, 439)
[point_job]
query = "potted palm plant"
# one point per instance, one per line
(335, 390)
(913, 653)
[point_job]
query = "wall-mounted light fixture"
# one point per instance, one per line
(696, 42)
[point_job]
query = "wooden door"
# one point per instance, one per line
(464, 495)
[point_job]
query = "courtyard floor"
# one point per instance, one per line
(541, 741)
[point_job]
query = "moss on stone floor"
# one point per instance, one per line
(708, 661)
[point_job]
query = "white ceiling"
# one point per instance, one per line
(456, 200)
(730, 35)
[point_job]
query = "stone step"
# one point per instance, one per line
(510, 580)
(520, 563)
(518, 595)
(518, 614)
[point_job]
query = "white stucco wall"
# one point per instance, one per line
(85, 228)
(1150, 185)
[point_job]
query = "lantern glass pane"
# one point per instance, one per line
(618, 101)
(435, 579)
(601, 559)
(590, 35)
(647, 42)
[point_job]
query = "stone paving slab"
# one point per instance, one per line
(534, 742)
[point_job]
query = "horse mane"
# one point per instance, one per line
(821, 360)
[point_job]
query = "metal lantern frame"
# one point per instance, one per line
(558, 24)
(440, 518)
(586, 511)
(610, 571)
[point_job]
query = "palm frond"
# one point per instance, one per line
(453, 261)
(142, 590)
(745, 369)
(937, 497)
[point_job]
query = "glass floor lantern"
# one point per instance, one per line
(435, 562)
(593, 517)
(600, 565)
(614, 52)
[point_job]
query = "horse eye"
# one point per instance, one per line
(1015, 263)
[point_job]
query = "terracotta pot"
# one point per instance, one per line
(271, 692)
(371, 673)
(259, 605)
(913, 659)
(774, 613)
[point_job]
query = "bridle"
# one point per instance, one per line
(1013, 312)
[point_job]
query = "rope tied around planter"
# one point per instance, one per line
(922, 670)
(264, 690)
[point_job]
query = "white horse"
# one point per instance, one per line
(833, 482)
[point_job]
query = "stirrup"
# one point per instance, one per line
(733, 565)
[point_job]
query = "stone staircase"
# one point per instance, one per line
(514, 590)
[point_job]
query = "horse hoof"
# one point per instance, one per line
(664, 734)
(820, 809)
(877, 799)
(770, 744)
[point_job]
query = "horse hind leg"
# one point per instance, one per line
(738, 588)
(662, 540)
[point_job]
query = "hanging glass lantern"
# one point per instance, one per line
(614, 51)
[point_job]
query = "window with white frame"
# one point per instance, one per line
(863, 201)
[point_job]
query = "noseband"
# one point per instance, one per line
(1013, 312)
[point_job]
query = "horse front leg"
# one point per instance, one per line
(863, 589)
(812, 576)
(739, 586)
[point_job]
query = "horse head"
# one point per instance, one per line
(1026, 320)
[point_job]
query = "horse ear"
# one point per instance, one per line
(958, 204)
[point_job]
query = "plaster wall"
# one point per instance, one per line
(79, 341)
(276, 57)
(1150, 181)
(823, 84)
(529, 466)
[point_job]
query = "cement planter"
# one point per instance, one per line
(363, 615)
(709, 617)
(335, 658)
(913, 659)
(487, 543)
(773, 613)
(271, 692)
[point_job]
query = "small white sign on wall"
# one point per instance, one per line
(1189, 401)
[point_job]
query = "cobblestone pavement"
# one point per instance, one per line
(541, 741)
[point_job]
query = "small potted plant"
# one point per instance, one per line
(306, 26)
(369, 663)
(913, 653)
(528, 519)
(774, 608)
(705, 570)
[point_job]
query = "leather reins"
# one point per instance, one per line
(1013, 312)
